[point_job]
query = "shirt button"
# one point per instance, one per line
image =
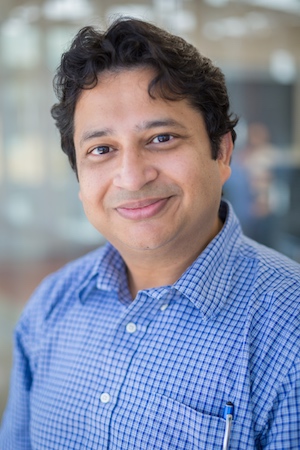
(164, 307)
(105, 397)
(131, 327)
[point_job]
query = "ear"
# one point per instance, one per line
(224, 157)
(80, 195)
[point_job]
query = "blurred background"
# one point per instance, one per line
(42, 225)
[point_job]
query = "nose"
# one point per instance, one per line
(135, 170)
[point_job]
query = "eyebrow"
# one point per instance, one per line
(159, 123)
(147, 125)
(88, 135)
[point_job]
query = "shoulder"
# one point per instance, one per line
(269, 257)
(72, 275)
(269, 294)
(273, 305)
(271, 271)
(272, 326)
(57, 291)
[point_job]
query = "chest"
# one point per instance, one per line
(110, 379)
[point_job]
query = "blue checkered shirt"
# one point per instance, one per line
(95, 370)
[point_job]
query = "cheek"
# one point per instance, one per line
(197, 174)
(85, 192)
(91, 185)
(180, 169)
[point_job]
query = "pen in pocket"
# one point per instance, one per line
(228, 416)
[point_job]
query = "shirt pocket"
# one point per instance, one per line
(173, 425)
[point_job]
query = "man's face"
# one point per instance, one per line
(147, 178)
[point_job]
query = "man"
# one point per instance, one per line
(144, 342)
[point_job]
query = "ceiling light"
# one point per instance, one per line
(67, 9)
(292, 6)
(137, 11)
(283, 66)
(216, 3)
(227, 27)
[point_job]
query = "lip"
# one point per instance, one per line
(142, 209)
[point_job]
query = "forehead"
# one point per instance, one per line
(140, 78)
(120, 89)
(121, 77)
(120, 103)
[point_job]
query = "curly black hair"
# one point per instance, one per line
(181, 72)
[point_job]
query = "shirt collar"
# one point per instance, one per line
(107, 272)
(205, 283)
(112, 270)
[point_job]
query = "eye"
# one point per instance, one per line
(101, 150)
(162, 138)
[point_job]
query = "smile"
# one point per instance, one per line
(142, 209)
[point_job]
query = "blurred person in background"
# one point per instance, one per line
(179, 319)
(254, 177)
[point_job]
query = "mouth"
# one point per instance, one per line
(142, 209)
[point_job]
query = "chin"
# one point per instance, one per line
(139, 244)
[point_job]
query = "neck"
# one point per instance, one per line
(160, 267)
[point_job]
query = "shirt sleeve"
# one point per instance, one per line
(14, 432)
(283, 428)
(15, 427)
